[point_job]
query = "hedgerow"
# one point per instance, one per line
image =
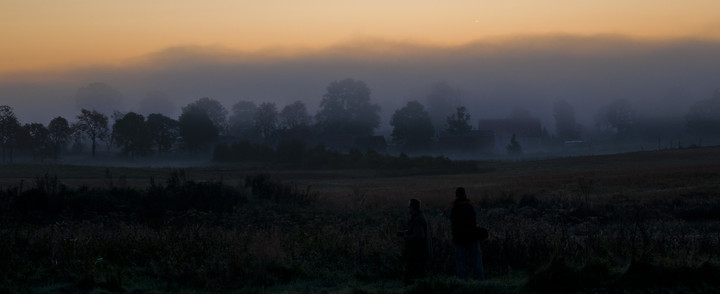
(297, 154)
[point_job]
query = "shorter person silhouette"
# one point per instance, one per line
(418, 247)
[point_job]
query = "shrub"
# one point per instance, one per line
(265, 187)
(43, 205)
(291, 151)
(297, 154)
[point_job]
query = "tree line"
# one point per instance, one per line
(346, 111)
(619, 120)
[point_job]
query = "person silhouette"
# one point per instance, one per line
(462, 214)
(418, 247)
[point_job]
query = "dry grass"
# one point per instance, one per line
(549, 220)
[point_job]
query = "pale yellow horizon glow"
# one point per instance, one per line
(43, 34)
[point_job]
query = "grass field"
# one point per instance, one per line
(635, 222)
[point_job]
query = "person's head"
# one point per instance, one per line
(414, 204)
(460, 193)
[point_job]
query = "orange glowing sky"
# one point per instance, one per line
(44, 34)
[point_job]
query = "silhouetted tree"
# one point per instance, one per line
(514, 148)
(703, 118)
(566, 128)
(59, 134)
(214, 110)
(100, 97)
(458, 123)
(22, 140)
(346, 109)
(196, 128)
(9, 126)
(131, 134)
(93, 125)
(116, 115)
(618, 115)
(294, 116)
(412, 126)
(241, 121)
(35, 137)
(266, 120)
(163, 130)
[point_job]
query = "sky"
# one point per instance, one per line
(499, 53)
(43, 34)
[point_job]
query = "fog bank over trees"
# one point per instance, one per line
(489, 78)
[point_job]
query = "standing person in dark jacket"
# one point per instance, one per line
(462, 214)
(417, 243)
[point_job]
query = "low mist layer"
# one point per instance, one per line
(662, 78)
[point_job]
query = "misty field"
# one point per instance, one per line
(635, 222)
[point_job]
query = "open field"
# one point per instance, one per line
(612, 223)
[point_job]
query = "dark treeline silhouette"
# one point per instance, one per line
(346, 120)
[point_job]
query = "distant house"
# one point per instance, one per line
(472, 142)
(527, 131)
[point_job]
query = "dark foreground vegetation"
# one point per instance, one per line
(641, 222)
